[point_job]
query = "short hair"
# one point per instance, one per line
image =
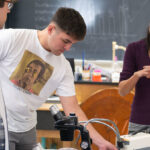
(37, 62)
(71, 22)
(2, 2)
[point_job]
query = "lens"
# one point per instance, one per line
(10, 6)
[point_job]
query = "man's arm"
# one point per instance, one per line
(70, 104)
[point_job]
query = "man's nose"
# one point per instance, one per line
(68, 46)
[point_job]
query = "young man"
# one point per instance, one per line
(20, 46)
(5, 7)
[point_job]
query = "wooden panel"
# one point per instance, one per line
(107, 103)
(46, 106)
(83, 91)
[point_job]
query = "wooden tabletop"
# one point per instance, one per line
(46, 106)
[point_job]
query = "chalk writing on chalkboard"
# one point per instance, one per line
(123, 21)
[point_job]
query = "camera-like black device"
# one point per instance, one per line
(67, 125)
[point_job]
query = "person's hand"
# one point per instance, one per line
(145, 72)
(100, 142)
(105, 145)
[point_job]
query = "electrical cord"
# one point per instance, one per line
(101, 121)
(140, 130)
(106, 120)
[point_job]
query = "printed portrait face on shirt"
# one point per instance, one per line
(32, 73)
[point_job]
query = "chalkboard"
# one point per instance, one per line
(123, 21)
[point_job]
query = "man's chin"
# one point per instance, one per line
(57, 54)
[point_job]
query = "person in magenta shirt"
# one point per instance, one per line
(136, 74)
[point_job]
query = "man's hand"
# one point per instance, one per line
(70, 104)
(105, 145)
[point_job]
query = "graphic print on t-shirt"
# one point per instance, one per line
(31, 73)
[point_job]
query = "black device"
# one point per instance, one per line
(67, 125)
(71, 61)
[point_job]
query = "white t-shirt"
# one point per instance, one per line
(19, 48)
(3, 116)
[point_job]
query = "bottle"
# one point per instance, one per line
(86, 75)
(96, 76)
(115, 75)
(77, 74)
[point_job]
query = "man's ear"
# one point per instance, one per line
(50, 28)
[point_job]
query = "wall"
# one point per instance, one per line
(123, 21)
